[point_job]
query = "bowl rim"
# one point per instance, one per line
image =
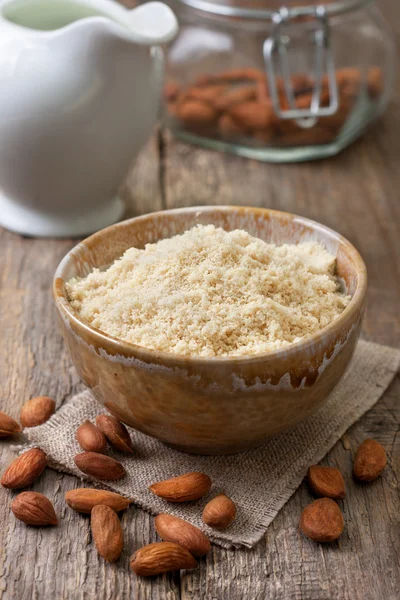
(149, 355)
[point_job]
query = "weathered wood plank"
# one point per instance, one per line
(363, 565)
(283, 565)
(59, 562)
(356, 194)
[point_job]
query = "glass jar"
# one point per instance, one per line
(277, 83)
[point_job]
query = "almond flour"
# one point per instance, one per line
(212, 293)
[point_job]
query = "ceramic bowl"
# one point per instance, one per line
(211, 405)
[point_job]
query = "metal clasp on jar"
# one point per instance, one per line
(276, 60)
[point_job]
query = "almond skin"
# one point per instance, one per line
(190, 486)
(34, 509)
(326, 482)
(161, 557)
(370, 461)
(322, 520)
(228, 127)
(349, 80)
(37, 411)
(171, 91)
(99, 466)
(24, 470)
(196, 113)
(107, 532)
(236, 96)
(302, 84)
(375, 82)
(115, 432)
(8, 426)
(174, 529)
(90, 438)
(85, 499)
(220, 512)
(208, 94)
(253, 115)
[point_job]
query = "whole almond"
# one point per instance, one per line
(172, 109)
(85, 499)
(262, 87)
(301, 83)
(90, 438)
(190, 486)
(161, 557)
(99, 466)
(304, 101)
(34, 509)
(107, 532)
(238, 95)
(322, 520)
(349, 80)
(326, 482)
(115, 432)
(375, 82)
(196, 113)
(227, 127)
(171, 91)
(8, 426)
(25, 469)
(209, 93)
(370, 460)
(253, 115)
(220, 512)
(37, 411)
(174, 529)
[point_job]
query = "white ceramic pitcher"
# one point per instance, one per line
(79, 94)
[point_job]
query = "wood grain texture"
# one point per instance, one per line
(355, 193)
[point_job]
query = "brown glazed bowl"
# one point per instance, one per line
(211, 405)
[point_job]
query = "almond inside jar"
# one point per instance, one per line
(236, 105)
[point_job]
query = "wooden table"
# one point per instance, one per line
(356, 193)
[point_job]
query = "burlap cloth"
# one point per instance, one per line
(259, 481)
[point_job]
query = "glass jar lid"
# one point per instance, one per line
(266, 9)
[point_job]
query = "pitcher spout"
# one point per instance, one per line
(150, 24)
(153, 23)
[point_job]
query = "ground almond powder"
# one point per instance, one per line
(209, 292)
